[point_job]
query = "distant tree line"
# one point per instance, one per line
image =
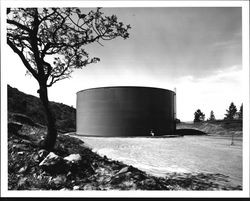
(231, 114)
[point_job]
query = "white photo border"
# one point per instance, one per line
(245, 63)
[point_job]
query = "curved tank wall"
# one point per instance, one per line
(125, 111)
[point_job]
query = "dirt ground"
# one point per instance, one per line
(188, 154)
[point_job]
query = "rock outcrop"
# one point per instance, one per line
(53, 164)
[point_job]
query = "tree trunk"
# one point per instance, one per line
(51, 136)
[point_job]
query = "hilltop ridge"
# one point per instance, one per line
(216, 127)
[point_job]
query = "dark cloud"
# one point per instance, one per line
(174, 41)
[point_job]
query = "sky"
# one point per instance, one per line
(197, 50)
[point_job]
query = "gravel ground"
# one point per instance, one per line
(188, 154)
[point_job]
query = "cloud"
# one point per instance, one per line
(187, 48)
(227, 44)
(214, 92)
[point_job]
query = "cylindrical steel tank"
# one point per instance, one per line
(125, 111)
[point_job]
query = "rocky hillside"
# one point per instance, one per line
(73, 166)
(30, 106)
(218, 127)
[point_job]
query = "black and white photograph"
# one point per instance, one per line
(109, 98)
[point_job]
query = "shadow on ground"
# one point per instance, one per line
(200, 181)
(188, 131)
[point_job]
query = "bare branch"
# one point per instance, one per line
(25, 62)
(18, 25)
(47, 17)
(59, 31)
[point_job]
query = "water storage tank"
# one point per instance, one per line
(125, 111)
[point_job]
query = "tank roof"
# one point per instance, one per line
(107, 87)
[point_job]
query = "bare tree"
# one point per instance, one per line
(50, 42)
